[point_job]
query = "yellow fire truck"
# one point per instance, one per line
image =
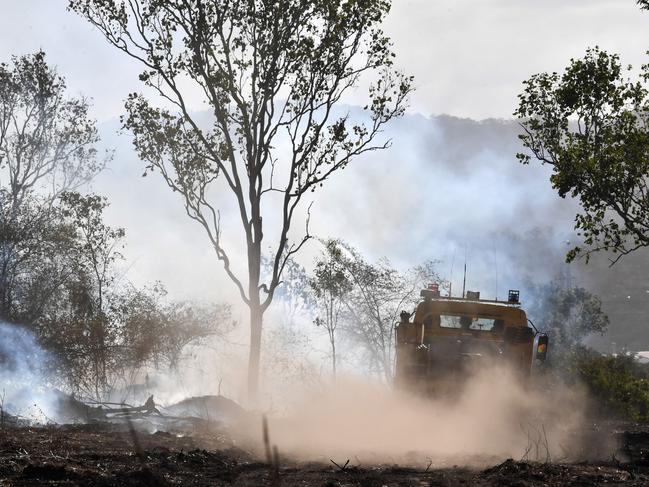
(448, 338)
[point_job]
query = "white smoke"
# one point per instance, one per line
(25, 390)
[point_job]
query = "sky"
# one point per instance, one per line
(468, 56)
(450, 185)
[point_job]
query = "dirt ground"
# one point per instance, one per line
(112, 455)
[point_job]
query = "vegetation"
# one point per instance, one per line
(330, 285)
(567, 314)
(59, 273)
(590, 125)
(47, 147)
(266, 79)
(618, 384)
(102, 328)
(364, 300)
(273, 82)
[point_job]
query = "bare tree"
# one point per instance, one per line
(330, 283)
(365, 299)
(271, 73)
(379, 293)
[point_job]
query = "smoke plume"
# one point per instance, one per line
(25, 392)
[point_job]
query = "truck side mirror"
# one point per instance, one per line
(542, 347)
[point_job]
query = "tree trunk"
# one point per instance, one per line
(333, 354)
(256, 311)
(256, 319)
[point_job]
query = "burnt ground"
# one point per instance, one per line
(111, 455)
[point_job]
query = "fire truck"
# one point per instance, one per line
(446, 339)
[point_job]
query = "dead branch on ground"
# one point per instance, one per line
(272, 455)
(342, 469)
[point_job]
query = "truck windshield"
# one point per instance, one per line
(470, 322)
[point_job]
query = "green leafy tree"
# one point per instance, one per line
(46, 138)
(590, 124)
(270, 73)
(102, 329)
(57, 256)
(47, 146)
(34, 246)
(97, 243)
(566, 314)
(95, 251)
(619, 384)
(156, 332)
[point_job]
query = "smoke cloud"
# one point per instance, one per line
(26, 392)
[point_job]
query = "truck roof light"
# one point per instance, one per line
(514, 296)
(432, 291)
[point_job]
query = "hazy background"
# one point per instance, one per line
(449, 187)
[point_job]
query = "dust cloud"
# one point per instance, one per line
(495, 416)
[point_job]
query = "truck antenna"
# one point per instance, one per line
(496, 265)
(464, 280)
(450, 281)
